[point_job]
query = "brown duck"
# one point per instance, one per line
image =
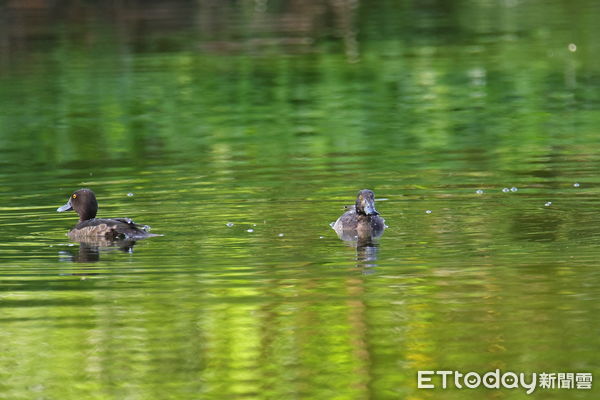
(361, 221)
(84, 202)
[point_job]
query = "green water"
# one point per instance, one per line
(240, 132)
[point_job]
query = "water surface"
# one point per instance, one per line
(240, 132)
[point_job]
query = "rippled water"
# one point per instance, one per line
(241, 151)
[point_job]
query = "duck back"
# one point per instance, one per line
(110, 228)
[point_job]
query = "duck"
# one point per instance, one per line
(361, 220)
(84, 203)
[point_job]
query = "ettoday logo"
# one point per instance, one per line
(508, 380)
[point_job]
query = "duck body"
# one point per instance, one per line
(353, 221)
(84, 203)
(109, 228)
(361, 220)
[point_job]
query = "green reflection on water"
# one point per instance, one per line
(425, 104)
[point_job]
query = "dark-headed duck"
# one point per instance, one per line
(84, 203)
(361, 220)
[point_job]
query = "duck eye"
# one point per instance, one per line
(74, 196)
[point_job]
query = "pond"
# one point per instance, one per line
(239, 131)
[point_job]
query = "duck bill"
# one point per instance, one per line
(66, 207)
(370, 208)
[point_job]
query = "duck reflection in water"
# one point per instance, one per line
(90, 250)
(361, 226)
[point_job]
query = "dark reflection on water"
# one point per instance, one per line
(90, 250)
(366, 244)
(366, 253)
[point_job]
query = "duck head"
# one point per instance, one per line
(365, 203)
(83, 202)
